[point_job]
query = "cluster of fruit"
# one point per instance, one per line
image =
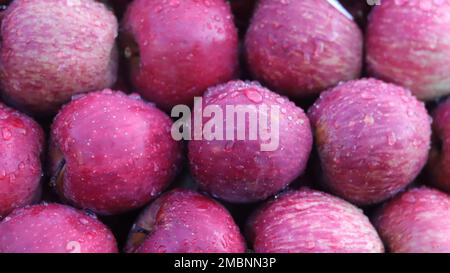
(365, 169)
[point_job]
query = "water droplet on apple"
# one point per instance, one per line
(253, 96)
(6, 133)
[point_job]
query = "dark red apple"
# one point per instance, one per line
(184, 221)
(53, 49)
(177, 49)
(111, 152)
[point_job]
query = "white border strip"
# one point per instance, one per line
(340, 8)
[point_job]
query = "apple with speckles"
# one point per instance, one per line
(21, 145)
(415, 52)
(238, 168)
(53, 49)
(111, 152)
(310, 221)
(439, 161)
(300, 48)
(184, 221)
(417, 221)
(177, 49)
(54, 228)
(372, 138)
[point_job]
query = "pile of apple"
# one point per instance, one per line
(87, 89)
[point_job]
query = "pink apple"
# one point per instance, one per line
(416, 221)
(408, 43)
(21, 145)
(372, 138)
(309, 221)
(243, 170)
(299, 48)
(54, 228)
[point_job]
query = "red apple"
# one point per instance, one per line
(372, 137)
(408, 43)
(184, 221)
(243, 170)
(54, 228)
(309, 221)
(299, 48)
(111, 152)
(21, 145)
(53, 49)
(416, 221)
(177, 49)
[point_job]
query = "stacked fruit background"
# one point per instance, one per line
(89, 161)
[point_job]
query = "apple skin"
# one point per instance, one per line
(54, 228)
(238, 171)
(300, 48)
(176, 51)
(439, 160)
(21, 145)
(184, 221)
(372, 138)
(417, 221)
(124, 170)
(415, 52)
(70, 45)
(310, 221)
